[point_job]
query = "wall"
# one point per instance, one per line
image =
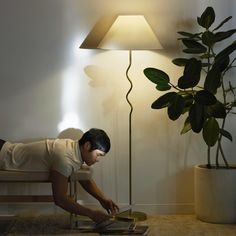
(49, 84)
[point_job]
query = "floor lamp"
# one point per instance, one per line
(130, 32)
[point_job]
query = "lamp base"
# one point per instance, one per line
(132, 216)
(138, 215)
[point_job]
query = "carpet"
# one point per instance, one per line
(41, 225)
(169, 225)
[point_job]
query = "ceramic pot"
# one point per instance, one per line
(215, 194)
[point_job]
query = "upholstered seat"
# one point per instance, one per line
(27, 176)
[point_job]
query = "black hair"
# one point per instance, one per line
(97, 138)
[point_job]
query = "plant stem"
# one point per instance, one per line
(209, 148)
(223, 156)
(219, 147)
(231, 65)
(172, 85)
(208, 156)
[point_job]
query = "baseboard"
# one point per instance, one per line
(165, 209)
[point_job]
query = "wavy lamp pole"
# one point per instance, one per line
(130, 127)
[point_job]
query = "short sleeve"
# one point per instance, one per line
(62, 166)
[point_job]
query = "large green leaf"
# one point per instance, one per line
(196, 117)
(176, 107)
(211, 131)
(222, 23)
(187, 126)
(204, 97)
(188, 101)
(164, 100)
(222, 63)
(156, 76)
(192, 73)
(187, 34)
(207, 18)
(225, 52)
(217, 110)
(219, 36)
(212, 81)
(180, 61)
(193, 46)
(226, 134)
(163, 86)
(208, 38)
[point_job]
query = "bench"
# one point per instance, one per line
(40, 177)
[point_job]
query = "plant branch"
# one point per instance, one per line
(172, 85)
(223, 156)
(208, 156)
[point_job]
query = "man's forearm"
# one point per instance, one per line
(70, 205)
(91, 187)
(59, 189)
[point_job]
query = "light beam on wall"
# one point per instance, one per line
(70, 98)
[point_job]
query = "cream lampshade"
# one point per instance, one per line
(130, 32)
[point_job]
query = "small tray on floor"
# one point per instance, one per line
(112, 227)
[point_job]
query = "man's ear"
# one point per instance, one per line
(87, 145)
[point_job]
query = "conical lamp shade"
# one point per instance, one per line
(130, 32)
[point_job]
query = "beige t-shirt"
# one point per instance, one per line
(62, 155)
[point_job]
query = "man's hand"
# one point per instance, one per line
(110, 206)
(99, 216)
(91, 187)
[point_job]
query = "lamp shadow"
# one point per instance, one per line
(71, 133)
(101, 79)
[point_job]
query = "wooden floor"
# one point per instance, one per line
(163, 225)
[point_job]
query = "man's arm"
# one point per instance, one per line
(91, 187)
(59, 189)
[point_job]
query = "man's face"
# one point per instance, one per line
(91, 157)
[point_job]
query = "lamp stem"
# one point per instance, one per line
(130, 127)
(136, 215)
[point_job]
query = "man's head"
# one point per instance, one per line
(93, 144)
(98, 140)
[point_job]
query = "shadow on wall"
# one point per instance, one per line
(71, 133)
(100, 78)
(168, 35)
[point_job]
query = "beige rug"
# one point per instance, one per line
(187, 225)
(171, 225)
(40, 225)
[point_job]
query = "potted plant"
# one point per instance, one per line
(206, 97)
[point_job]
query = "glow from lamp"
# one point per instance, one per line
(69, 101)
(130, 32)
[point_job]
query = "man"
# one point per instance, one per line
(61, 157)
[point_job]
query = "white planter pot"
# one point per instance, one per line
(215, 194)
